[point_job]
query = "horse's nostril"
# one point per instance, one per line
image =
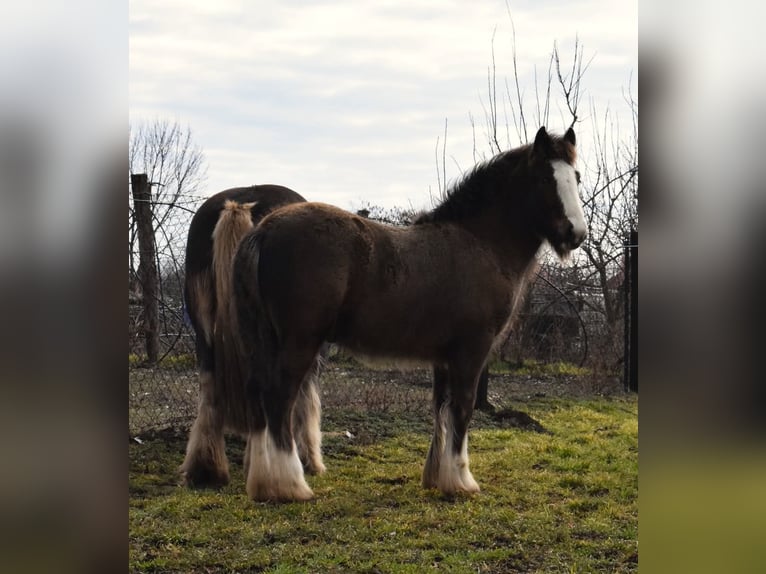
(568, 233)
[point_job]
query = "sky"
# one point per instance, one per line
(344, 101)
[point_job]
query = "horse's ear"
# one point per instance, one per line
(570, 136)
(542, 142)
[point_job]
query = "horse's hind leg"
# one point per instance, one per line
(306, 424)
(435, 451)
(275, 470)
(307, 417)
(205, 464)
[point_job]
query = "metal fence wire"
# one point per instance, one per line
(562, 321)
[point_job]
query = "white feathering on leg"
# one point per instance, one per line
(275, 474)
(454, 474)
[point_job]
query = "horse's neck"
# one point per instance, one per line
(512, 243)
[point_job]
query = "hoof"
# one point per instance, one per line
(466, 487)
(203, 477)
(274, 474)
(316, 468)
(280, 493)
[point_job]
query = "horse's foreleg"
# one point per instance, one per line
(205, 464)
(454, 474)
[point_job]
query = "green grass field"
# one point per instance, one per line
(561, 501)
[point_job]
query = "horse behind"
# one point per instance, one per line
(438, 292)
(214, 234)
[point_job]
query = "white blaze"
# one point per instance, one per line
(566, 183)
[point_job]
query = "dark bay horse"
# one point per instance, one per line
(440, 292)
(214, 234)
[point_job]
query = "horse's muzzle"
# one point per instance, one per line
(572, 238)
(576, 238)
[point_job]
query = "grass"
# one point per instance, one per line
(181, 361)
(563, 501)
(531, 367)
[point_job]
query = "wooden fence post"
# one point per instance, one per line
(147, 266)
(631, 312)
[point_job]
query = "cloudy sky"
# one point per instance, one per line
(344, 100)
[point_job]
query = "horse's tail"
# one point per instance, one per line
(234, 223)
(257, 334)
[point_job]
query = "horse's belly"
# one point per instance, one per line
(419, 333)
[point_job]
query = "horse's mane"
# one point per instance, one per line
(468, 195)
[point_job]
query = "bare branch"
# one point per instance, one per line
(444, 162)
(520, 99)
(441, 168)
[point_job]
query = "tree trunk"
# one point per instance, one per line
(147, 266)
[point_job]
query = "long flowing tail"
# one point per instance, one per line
(256, 334)
(233, 224)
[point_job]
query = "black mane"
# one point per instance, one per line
(470, 193)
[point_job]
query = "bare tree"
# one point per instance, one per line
(176, 170)
(176, 165)
(610, 196)
(609, 177)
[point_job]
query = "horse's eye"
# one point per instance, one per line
(577, 176)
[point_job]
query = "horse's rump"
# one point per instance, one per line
(214, 235)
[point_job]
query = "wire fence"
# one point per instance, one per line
(563, 321)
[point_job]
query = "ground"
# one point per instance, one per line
(557, 463)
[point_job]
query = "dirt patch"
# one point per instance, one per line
(161, 398)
